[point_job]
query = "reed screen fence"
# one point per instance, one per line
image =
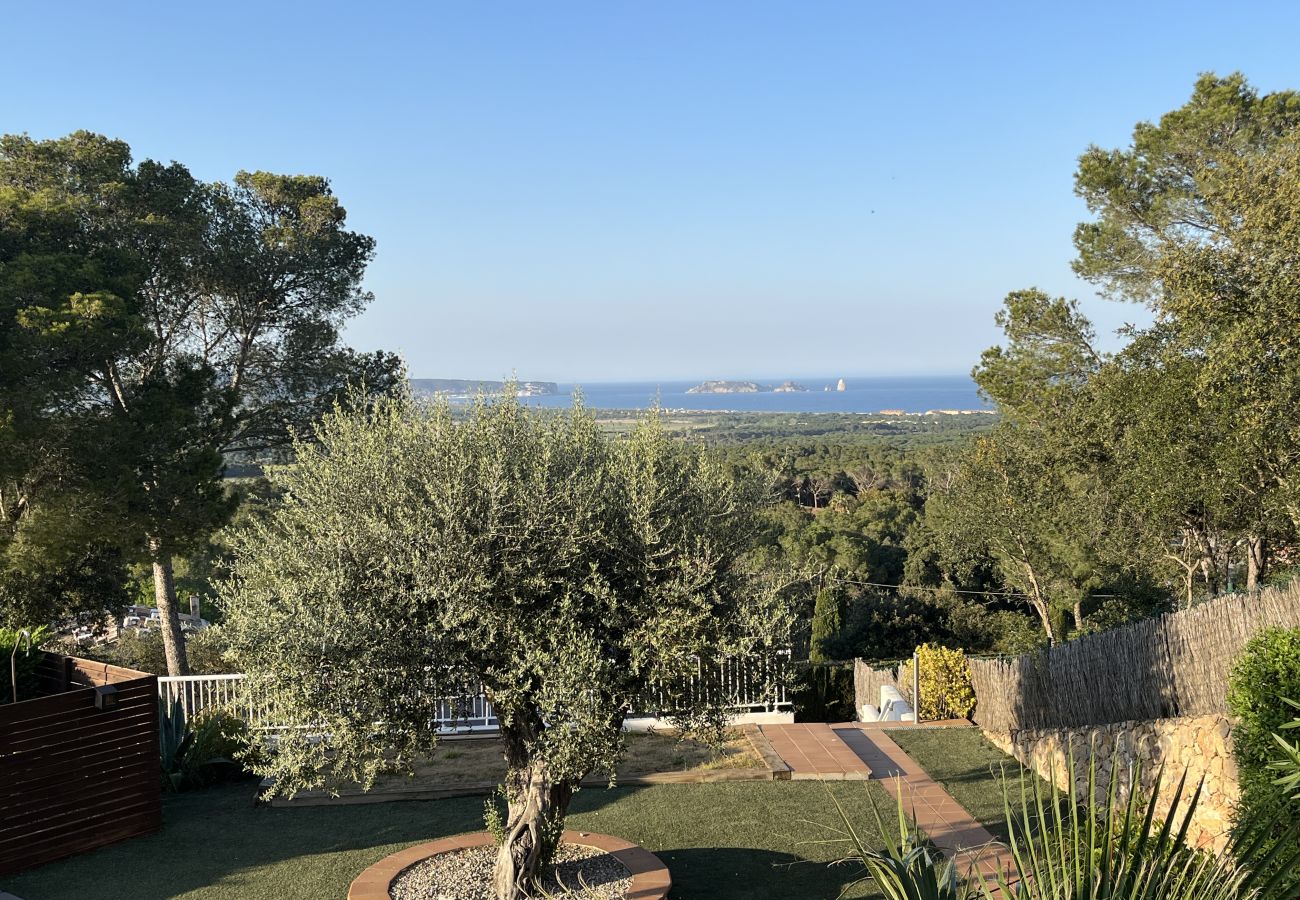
(1172, 666)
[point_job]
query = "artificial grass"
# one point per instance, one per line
(968, 767)
(721, 840)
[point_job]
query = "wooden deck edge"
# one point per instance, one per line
(776, 766)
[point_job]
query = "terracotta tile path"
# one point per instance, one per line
(814, 752)
(855, 751)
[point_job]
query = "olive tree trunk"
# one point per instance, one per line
(164, 592)
(537, 806)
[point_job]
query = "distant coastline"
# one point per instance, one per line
(900, 395)
(465, 387)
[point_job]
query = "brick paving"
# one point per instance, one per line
(814, 752)
(853, 751)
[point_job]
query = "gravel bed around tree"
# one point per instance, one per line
(578, 872)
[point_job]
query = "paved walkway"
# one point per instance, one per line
(854, 751)
(814, 752)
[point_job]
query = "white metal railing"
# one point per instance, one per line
(744, 684)
(196, 693)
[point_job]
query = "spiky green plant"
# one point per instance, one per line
(1122, 850)
(174, 739)
(907, 868)
(1118, 850)
(1288, 762)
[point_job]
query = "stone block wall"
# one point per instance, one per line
(1201, 745)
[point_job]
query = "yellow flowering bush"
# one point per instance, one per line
(946, 691)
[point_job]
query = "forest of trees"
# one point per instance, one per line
(156, 332)
(1113, 485)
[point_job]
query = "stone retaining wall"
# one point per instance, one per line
(1201, 745)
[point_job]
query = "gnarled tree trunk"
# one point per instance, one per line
(537, 806)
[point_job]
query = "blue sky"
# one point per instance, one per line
(616, 190)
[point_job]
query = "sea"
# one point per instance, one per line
(910, 394)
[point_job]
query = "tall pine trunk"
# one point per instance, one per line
(537, 807)
(164, 592)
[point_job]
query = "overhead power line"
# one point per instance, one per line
(946, 590)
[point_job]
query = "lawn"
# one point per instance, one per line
(723, 840)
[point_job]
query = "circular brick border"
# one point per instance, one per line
(650, 878)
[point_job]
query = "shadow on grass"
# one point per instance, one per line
(732, 872)
(217, 843)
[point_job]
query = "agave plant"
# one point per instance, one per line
(192, 751)
(905, 869)
(1119, 850)
(174, 739)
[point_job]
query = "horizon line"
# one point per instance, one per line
(700, 378)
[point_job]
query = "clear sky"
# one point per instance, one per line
(617, 190)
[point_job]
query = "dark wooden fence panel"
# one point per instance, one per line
(72, 777)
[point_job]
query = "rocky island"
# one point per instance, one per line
(744, 387)
(725, 387)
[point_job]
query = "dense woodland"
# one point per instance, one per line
(1114, 484)
(159, 337)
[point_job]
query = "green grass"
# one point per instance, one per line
(968, 767)
(723, 840)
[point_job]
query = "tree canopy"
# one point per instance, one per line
(566, 572)
(152, 325)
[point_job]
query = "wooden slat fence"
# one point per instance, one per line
(73, 777)
(1171, 666)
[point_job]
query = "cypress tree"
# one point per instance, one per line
(828, 621)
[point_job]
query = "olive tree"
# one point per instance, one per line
(571, 574)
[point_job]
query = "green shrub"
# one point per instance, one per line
(1264, 676)
(823, 692)
(1267, 672)
(143, 651)
(24, 660)
(827, 623)
(206, 749)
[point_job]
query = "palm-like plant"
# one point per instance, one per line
(1288, 763)
(1117, 850)
(1123, 850)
